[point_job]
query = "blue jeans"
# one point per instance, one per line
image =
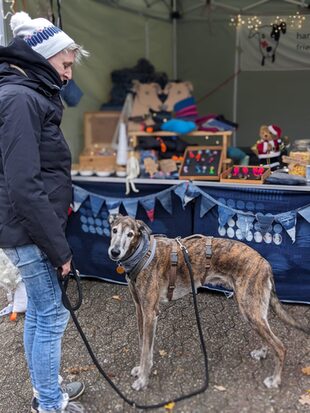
(45, 323)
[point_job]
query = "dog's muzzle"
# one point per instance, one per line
(114, 253)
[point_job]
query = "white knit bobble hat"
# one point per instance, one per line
(40, 34)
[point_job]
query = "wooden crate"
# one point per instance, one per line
(96, 162)
(99, 128)
(227, 176)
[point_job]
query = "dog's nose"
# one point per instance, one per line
(115, 252)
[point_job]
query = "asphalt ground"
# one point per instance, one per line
(107, 317)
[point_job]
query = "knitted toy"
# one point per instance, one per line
(269, 147)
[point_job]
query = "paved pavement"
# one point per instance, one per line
(108, 319)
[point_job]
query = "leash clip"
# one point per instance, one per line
(182, 246)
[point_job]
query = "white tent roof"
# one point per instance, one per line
(193, 9)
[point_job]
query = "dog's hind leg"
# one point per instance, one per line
(256, 311)
(146, 358)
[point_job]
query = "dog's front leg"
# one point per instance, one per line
(146, 359)
(136, 370)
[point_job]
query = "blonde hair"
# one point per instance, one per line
(78, 50)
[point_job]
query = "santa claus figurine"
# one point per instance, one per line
(269, 146)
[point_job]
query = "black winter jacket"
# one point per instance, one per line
(35, 161)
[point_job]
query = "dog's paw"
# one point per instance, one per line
(135, 372)
(139, 384)
(272, 382)
(260, 353)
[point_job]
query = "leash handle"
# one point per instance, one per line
(63, 283)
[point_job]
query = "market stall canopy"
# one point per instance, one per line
(198, 9)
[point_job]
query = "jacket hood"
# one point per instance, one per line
(40, 72)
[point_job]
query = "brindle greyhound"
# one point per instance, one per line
(156, 272)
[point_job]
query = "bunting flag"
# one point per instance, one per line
(305, 212)
(288, 222)
(148, 204)
(79, 196)
(180, 191)
(206, 204)
(187, 191)
(164, 198)
(225, 214)
(113, 205)
(245, 223)
(264, 222)
(131, 206)
(96, 203)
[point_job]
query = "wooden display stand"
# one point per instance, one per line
(99, 129)
(202, 163)
(220, 139)
(247, 175)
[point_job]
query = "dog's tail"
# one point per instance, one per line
(284, 315)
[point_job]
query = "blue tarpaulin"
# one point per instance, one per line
(273, 222)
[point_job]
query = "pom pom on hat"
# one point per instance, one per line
(40, 34)
(275, 130)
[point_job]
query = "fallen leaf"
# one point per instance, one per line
(79, 369)
(116, 297)
(220, 388)
(162, 353)
(306, 370)
(169, 406)
(304, 399)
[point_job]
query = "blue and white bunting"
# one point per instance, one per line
(79, 196)
(206, 204)
(131, 206)
(264, 222)
(305, 212)
(288, 222)
(225, 213)
(96, 203)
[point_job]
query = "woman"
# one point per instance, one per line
(35, 191)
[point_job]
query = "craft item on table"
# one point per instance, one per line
(151, 167)
(281, 178)
(270, 146)
(178, 126)
(133, 171)
(175, 92)
(238, 156)
(168, 166)
(122, 151)
(186, 109)
(145, 99)
(297, 163)
(245, 174)
(202, 163)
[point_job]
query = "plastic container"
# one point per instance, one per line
(301, 153)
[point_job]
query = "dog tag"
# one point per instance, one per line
(120, 269)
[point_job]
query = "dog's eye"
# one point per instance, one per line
(114, 230)
(130, 234)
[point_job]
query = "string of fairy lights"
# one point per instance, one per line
(254, 22)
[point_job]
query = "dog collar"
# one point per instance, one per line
(140, 259)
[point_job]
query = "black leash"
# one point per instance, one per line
(63, 282)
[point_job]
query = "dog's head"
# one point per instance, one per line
(126, 233)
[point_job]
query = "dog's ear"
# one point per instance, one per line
(143, 227)
(113, 217)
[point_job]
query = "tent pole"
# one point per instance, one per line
(147, 39)
(235, 92)
(2, 29)
(174, 41)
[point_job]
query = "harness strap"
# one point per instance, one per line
(208, 254)
(173, 270)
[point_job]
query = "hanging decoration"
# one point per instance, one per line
(188, 192)
(294, 21)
